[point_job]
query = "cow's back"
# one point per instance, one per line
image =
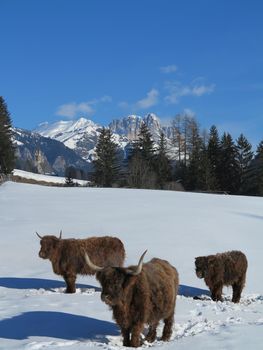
(163, 282)
(105, 251)
(235, 264)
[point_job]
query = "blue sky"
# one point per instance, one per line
(105, 59)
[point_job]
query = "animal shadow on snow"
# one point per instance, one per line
(56, 325)
(192, 292)
(37, 283)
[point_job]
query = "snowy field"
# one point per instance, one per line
(36, 314)
(46, 178)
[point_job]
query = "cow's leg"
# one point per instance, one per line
(70, 282)
(126, 336)
(237, 289)
(216, 292)
(168, 328)
(151, 336)
(136, 335)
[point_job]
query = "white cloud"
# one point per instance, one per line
(195, 88)
(189, 112)
(123, 104)
(72, 109)
(150, 100)
(105, 98)
(202, 90)
(169, 69)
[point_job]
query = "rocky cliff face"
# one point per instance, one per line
(129, 127)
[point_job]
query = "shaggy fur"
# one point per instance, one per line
(225, 269)
(143, 299)
(66, 255)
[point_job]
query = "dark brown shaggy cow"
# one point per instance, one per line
(225, 269)
(66, 255)
(139, 295)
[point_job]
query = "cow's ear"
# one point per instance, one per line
(98, 276)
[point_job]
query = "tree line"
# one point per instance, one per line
(190, 159)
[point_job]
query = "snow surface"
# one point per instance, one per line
(36, 314)
(45, 178)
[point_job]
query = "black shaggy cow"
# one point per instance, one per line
(66, 255)
(139, 295)
(225, 269)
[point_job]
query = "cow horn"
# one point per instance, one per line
(38, 235)
(60, 234)
(139, 266)
(91, 265)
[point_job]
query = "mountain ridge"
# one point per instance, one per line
(79, 138)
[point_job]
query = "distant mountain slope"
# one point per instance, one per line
(82, 135)
(45, 155)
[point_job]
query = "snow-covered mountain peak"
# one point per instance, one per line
(62, 130)
(152, 121)
(83, 123)
(80, 135)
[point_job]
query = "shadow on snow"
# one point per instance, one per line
(37, 283)
(188, 291)
(56, 325)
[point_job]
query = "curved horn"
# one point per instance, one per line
(139, 266)
(60, 234)
(38, 235)
(91, 265)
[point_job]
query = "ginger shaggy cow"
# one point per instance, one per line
(66, 255)
(225, 269)
(139, 295)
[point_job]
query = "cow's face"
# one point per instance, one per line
(48, 246)
(114, 281)
(201, 266)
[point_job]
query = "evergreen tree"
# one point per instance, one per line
(244, 158)
(254, 175)
(195, 168)
(141, 161)
(146, 143)
(7, 150)
(69, 181)
(162, 163)
(213, 158)
(70, 174)
(107, 164)
(228, 168)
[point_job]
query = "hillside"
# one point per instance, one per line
(177, 226)
(44, 154)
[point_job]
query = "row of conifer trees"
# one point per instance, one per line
(195, 162)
